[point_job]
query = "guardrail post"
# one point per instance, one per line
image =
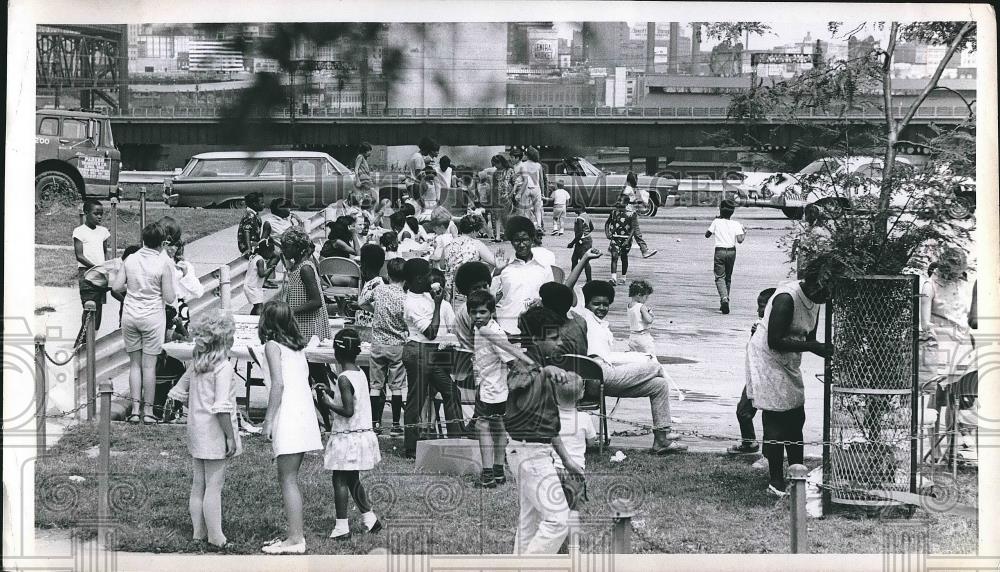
(41, 393)
(104, 468)
(142, 210)
(225, 289)
(90, 313)
(621, 530)
(798, 475)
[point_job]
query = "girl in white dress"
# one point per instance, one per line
(289, 423)
(352, 446)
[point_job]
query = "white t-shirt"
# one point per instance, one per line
(725, 232)
(575, 427)
(93, 242)
(491, 365)
(560, 197)
(519, 281)
(599, 336)
(418, 314)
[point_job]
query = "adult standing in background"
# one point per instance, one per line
(418, 177)
(442, 180)
(532, 181)
(502, 194)
(363, 179)
(945, 302)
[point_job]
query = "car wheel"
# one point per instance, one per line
(962, 208)
(794, 213)
(48, 182)
(651, 207)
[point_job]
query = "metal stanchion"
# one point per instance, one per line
(621, 531)
(225, 288)
(798, 475)
(90, 313)
(41, 393)
(114, 224)
(142, 210)
(104, 469)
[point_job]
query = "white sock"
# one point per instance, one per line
(369, 519)
(614, 276)
(341, 528)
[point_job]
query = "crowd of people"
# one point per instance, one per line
(427, 276)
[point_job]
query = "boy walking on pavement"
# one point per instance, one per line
(728, 233)
(640, 197)
(559, 198)
(745, 411)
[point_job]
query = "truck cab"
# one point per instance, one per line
(75, 149)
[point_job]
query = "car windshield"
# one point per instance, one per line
(582, 167)
(824, 165)
(222, 167)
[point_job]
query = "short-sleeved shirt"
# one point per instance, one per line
(599, 335)
(725, 232)
(575, 427)
(144, 271)
(93, 242)
(463, 328)
(248, 233)
(532, 413)
(388, 325)
(490, 363)
(560, 197)
(519, 281)
(419, 314)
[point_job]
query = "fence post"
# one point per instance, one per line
(104, 469)
(225, 289)
(621, 530)
(90, 313)
(114, 225)
(798, 476)
(41, 393)
(142, 210)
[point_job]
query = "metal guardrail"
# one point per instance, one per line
(941, 112)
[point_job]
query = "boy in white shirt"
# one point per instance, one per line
(728, 233)
(559, 199)
(90, 244)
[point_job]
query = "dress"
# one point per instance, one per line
(207, 394)
(294, 428)
(315, 323)
(358, 450)
(461, 250)
(640, 338)
(622, 225)
(947, 347)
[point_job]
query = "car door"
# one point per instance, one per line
(273, 180)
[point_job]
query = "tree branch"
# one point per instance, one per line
(932, 84)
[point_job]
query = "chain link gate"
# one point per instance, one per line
(871, 396)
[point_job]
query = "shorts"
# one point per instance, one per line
(642, 342)
(89, 292)
(489, 409)
(144, 334)
(574, 488)
(558, 211)
(386, 369)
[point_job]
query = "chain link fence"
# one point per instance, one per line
(870, 416)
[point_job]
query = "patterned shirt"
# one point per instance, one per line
(388, 326)
(248, 233)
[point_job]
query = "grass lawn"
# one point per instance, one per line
(55, 225)
(55, 268)
(690, 503)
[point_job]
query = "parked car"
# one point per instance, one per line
(310, 179)
(600, 190)
(75, 149)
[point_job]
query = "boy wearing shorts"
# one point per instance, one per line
(560, 198)
(389, 333)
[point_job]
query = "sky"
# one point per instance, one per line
(782, 33)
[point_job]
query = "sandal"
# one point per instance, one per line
(133, 418)
(149, 420)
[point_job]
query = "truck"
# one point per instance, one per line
(75, 149)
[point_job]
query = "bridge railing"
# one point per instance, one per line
(597, 112)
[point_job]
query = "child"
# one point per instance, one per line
(210, 395)
(621, 230)
(640, 318)
(390, 243)
(559, 198)
(287, 423)
(576, 431)
(90, 244)
(532, 421)
(372, 261)
(582, 241)
(490, 363)
(636, 197)
(262, 264)
(728, 233)
(352, 446)
(745, 411)
(389, 335)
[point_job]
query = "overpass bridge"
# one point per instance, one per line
(639, 127)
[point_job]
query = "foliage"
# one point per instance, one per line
(733, 31)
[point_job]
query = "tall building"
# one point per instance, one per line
(577, 47)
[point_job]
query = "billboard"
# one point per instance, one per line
(772, 58)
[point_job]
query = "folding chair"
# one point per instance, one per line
(251, 381)
(593, 395)
(340, 268)
(966, 388)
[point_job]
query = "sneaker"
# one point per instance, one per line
(649, 253)
(396, 431)
(724, 306)
(555, 233)
(375, 527)
(500, 480)
(673, 447)
(743, 449)
(776, 492)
